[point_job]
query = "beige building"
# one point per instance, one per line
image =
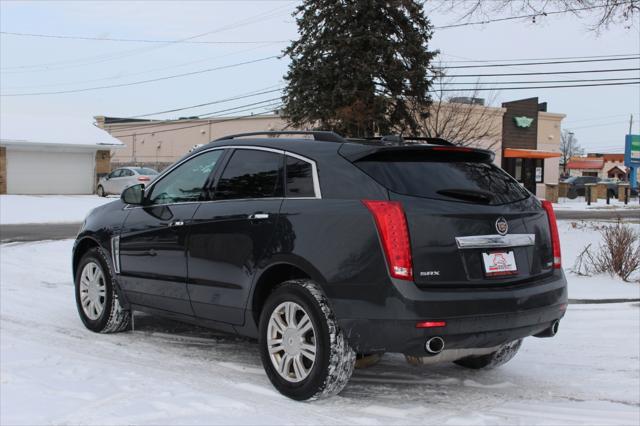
(530, 154)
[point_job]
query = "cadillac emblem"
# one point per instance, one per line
(502, 226)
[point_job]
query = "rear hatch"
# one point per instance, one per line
(470, 223)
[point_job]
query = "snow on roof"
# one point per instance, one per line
(30, 144)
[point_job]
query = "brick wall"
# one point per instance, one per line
(3, 170)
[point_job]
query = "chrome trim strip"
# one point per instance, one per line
(115, 254)
(495, 241)
(314, 168)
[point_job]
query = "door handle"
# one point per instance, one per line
(258, 216)
(176, 223)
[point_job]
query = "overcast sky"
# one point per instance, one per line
(599, 116)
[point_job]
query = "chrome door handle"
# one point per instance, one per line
(259, 216)
(176, 223)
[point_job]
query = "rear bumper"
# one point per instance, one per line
(475, 318)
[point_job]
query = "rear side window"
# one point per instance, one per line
(443, 176)
(299, 178)
(252, 174)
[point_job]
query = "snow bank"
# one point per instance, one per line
(575, 235)
(47, 208)
(54, 371)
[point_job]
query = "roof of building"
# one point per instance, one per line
(586, 163)
(30, 144)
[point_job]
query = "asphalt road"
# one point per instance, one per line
(38, 231)
(59, 231)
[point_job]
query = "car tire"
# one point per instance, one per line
(96, 298)
(296, 318)
(572, 194)
(100, 191)
(492, 360)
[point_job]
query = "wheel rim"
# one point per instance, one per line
(291, 340)
(93, 290)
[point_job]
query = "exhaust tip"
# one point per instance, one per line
(434, 345)
(554, 327)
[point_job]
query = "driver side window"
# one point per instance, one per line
(185, 183)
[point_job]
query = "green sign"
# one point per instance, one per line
(635, 148)
(523, 121)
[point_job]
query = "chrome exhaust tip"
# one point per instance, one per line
(551, 331)
(434, 345)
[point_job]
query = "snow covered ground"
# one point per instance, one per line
(579, 204)
(54, 371)
(47, 208)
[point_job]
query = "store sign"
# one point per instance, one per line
(632, 151)
(538, 174)
(523, 121)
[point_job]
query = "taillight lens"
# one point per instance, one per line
(555, 236)
(394, 234)
(144, 178)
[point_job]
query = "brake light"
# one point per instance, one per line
(452, 148)
(394, 234)
(144, 178)
(555, 237)
(430, 324)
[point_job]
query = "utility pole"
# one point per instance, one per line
(630, 124)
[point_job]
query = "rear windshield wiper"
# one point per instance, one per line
(474, 195)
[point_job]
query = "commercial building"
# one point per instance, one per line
(30, 167)
(525, 137)
(600, 165)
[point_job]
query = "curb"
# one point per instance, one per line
(600, 301)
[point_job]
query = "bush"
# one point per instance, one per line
(618, 254)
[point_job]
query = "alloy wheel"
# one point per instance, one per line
(291, 341)
(93, 290)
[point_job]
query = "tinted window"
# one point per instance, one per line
(299, 178)
(251, 174)
(115, 173)
(185, 182)
(445, 177)
(126, 172)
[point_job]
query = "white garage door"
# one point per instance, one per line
(32, 172)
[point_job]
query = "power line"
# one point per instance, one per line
(123, 54)
(196, 125)
(138, 40)
(544, 87)
(87, 89)
(541, 63)
(543, 73)
(600, 125)
(218, 101)
(545, 81)
(536, 59)
(532, 15)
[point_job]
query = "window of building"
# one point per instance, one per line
(252, 174)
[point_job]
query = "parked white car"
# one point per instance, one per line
(119, 179)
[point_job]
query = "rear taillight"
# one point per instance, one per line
(144, 178)
(394, 234)
(555, 237)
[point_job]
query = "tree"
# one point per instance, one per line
(604, 12)
(569, 147)
(359, 66)
(453, 116)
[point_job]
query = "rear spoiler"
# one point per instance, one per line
(356, 151)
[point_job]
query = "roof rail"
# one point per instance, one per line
(325, 136)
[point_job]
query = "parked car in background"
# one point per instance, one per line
(577, 185)
(116, 181)
(323, 249)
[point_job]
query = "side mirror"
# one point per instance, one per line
(133, 194)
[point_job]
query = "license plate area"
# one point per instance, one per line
(499, 263)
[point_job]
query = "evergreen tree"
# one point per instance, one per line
(359, 67)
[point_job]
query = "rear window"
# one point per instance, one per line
(443, 176)
(145, 171)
